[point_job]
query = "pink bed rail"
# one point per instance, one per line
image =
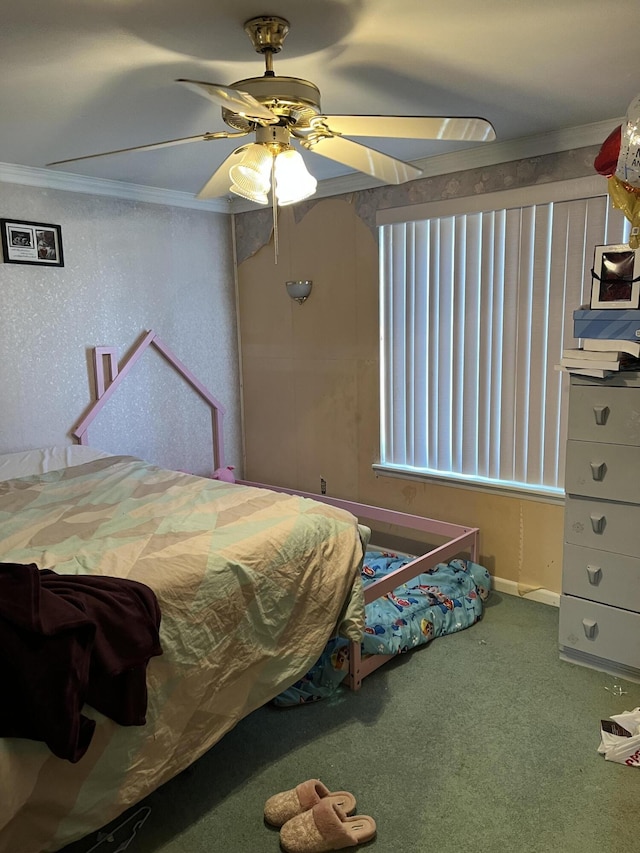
(460, 540)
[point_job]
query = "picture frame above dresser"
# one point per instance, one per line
(616, 278)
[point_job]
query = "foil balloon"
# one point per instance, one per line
(606, 162)
(628, 168)
(619, 161)
(627, 199)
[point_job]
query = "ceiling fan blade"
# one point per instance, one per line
(362, 158)
(410, 127)
(220, 183)
(232, 99)
(201, 137)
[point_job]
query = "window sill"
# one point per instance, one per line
(539, 495)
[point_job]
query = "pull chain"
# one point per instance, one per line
(275, 210)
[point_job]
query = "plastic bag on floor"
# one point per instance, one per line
(620, 738)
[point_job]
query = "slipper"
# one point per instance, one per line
(282, 807)
(325, 827)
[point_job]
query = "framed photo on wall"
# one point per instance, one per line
(616, 277)
(31, 243)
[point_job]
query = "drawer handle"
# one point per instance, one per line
(598, 523)
(598, 470)
(595, 575)
(590, 628)
(601, 414)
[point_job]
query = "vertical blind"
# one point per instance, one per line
(475, 311)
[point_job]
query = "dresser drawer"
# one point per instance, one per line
(602, 576)
(604, 525)
(601, 413)
(607, 471)
(600, 630)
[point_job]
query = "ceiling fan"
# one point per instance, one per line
(281, 110)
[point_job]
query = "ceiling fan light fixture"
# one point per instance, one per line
(251, 177)
(293, 181)
(250, 194)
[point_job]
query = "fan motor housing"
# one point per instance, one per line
(290, 98)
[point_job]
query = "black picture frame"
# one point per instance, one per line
(25, 242)
(616, 277)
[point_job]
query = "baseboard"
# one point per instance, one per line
(543, 596)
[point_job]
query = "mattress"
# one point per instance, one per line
(251, 586)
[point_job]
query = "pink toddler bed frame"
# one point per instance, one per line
(459, 539)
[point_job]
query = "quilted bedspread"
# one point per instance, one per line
(251, 585)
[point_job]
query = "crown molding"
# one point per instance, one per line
(29, 176)
(488, 154)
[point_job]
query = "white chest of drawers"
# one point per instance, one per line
(600, 602)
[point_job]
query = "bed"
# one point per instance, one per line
(251, 585)
(254, 583)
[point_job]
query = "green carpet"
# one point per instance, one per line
(483, 741)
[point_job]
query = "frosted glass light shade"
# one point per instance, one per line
(249, 193)
(293, 181)
(251, 177)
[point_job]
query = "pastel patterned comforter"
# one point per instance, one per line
(251, 585)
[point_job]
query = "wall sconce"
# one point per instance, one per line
(299, 290)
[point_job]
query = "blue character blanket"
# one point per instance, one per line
(441, 601)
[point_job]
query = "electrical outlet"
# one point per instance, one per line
(323, 486)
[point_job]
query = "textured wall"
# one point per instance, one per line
(129, 267)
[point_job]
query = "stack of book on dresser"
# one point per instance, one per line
(601, 357)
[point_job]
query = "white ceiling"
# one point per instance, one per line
(85, 76)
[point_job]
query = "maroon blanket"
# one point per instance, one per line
(70, 639)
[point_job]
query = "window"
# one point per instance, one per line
(476, 307)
